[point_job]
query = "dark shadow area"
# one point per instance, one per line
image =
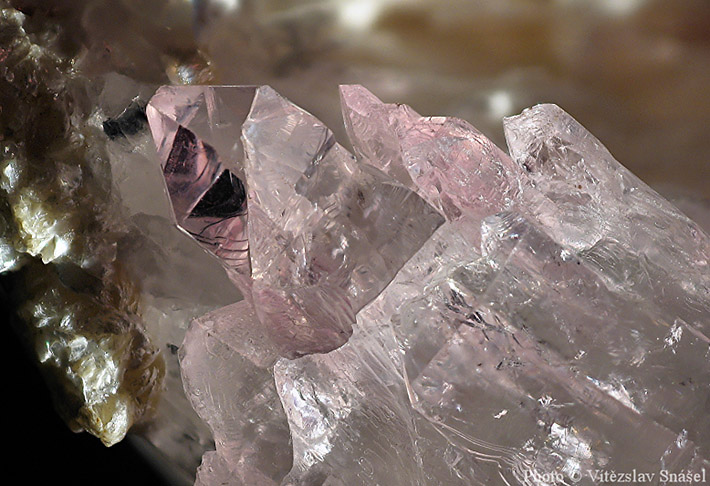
(39, 440)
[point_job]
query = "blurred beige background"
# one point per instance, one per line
(635, 72)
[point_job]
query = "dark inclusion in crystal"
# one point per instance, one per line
(209, 201)
(186, 148)
(225, 199)
(130, 122)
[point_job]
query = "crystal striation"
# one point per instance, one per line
(327, 232)
(325, 235)
(455, 168)
(434, 311)
(106, 285)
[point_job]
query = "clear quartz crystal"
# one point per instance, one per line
(636, 240)
(515, 319)
(328, 233)
(536, 318)
(553, 382)
(225, 363)
(453, 165)
(191, 126)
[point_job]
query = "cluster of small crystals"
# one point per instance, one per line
(101, 267)
(325, 233)
(432, 310)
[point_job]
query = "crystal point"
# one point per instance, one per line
(449, 162)
(328, 232)
(324, 232)
(208, 197)
(225, 363)
(435, 311)
(372, 128)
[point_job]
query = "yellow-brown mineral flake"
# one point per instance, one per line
(59, 231)
(106, 374)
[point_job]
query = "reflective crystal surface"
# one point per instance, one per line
(453, 165)
(476, 318)
(327, 232)
(189, 125)
(513, 319)
(225, 362)
(600, 287)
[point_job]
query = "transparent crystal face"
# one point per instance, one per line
(208, 197)
(310, 230)
(432, 311)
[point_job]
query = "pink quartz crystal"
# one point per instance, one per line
(452, 165)
(208, 197)
(433, 311)
(325, 232)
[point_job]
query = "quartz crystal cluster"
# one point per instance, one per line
(429, 310)
(432, 310)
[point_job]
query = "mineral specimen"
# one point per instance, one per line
(580, 292)
(326, 234)
(62, 228)
(208, 199)
(548, 320)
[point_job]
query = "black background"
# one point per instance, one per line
(41, 448)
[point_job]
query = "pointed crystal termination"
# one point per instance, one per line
(529, 359)
(225, 361)
(207, 195)
(373, 127)
(450, 163)
(327, 233)
(543, 329)
(636, 239)
(589, 303)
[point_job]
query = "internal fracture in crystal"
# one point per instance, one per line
(325, 233)
(435, 311)
(547, 315)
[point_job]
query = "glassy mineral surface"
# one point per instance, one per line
(434, 311)
(106, 283)
(316, 237)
